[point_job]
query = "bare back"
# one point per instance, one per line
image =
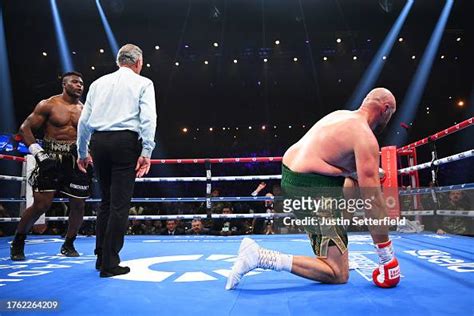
(328, 147)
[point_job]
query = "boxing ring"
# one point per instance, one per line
(174, 275)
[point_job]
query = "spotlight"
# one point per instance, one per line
(354, 57)
(45, 54)
(413, 57)
(458, 39)
(74, 53)
(223, 128)
(265, 60)
(235, 136)
(325, 58)
(185, 130)
(295, 59)
(197, 129)
(177, 64)
(235, 61)
(277, 42)
(148, 65)
(400, 39)
(250, 127)
(384, 57)
(289, 126)
(157, 47)
(274, 126)
(215, 44)
(236, 128)
(442, 56)
(338, 40)
(264, 127)
(461, 103)
(275, 135)
(186, 46)
(210, 129)
(101, 50)
(427, 108)
(206, 62)
(93, 68)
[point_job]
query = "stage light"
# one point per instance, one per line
(45, 54)
(442, 56)
(108, 30)
(92, 67)
(185, 130)
(458, 39)
(176, 64)
(325, 58)
(264, 127)
(235, 61)
(206, 62)
(354, 57)
(101, 50)
(265, 60)
(338, 40)
(277, 42)
(400, 39)
(250, 127)
(65, 58)
(148, 65)
(295, 59)
(157, 47)
(409, 105)
(461, 103)
(413, 57)
(216, 44)
(372, 72)
(210, 129)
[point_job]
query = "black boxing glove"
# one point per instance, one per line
(44, 161)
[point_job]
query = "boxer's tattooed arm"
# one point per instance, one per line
(33, 122)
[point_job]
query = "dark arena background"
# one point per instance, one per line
(237, 82)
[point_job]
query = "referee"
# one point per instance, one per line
(120, 114)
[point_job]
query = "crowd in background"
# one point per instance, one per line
(451, 200)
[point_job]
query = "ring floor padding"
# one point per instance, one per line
(179, 275)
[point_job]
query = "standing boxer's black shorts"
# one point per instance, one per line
(66, 177)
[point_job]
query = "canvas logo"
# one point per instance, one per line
(443, 259)
(212, 268)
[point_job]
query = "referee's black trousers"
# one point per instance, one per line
(115, 155)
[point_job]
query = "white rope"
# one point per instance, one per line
(166, 217)
(413, 213)
(467, 154)
(12, 178)
(182, 179)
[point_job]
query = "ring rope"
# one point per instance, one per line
(438, 135)
(460, 156)
(174, 199)
(167, 217)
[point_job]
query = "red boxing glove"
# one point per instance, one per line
(387, 275)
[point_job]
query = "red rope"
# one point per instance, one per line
(438, 135)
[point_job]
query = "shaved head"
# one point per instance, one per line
(381, 104)
(380, 97)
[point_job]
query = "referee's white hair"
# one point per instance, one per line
(128, 55)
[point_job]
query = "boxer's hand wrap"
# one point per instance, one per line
(388, 273)
(44, 161)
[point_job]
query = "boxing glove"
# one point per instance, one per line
(387, 275)
(44, 161)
